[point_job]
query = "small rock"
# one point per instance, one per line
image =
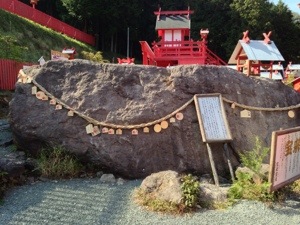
(120, 181)
(163, 185)
(109, 178)
(213, 193)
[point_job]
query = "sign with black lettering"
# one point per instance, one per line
(212, 118)
(285, 157)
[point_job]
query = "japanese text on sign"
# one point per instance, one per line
(285, 157)
(211, 115)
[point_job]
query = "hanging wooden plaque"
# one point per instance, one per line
(96, 131)
(172, 120)
(111, 131)
(157, 128)
(45, 98)
(291, 114)
(89, 129)
(245, 113)
(179, 116)
(28, 80)
(21, 74)
(104, 130)
(146, 130)
(40, 94)
(58, 107)
(52, 102)
(119, 131)
(71, 113)
(134, 132)
(164, 124)
(34, 90)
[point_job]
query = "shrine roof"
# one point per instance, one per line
(256, 51)
(173, 22)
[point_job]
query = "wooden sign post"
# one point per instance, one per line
(213, 125)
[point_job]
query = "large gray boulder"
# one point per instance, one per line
(135, 94)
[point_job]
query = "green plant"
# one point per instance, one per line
(153, 204)
(254, 159)
(96, 57)
(55, 162)
(245, 188)
(252, 184)
(190, 187)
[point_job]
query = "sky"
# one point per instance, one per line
(292, 4)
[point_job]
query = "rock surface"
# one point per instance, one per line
(164, 185)
(12, 162)
(133, 94)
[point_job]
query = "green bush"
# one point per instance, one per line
(252, 186)
(191, 189)
(254, 159)
(95, 57)
(57, 163)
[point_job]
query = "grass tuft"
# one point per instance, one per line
(57, 163)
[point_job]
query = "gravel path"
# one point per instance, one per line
(89, 201)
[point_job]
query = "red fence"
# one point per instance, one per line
(37, 16)
(9, 70)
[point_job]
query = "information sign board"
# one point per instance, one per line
(285, 157)
(212, 118)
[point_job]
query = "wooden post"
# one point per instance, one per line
(228, 161)
(212, 164)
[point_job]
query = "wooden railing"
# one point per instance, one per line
(21, 9)
(185, 49)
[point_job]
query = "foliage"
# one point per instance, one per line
(57, 163)
(26, 41)
(247, 185)
(11, 49)
(295, 186)
(153, 204)
(96, 57)
(225, 19)
(190, 187)
(245, 188)
(254, 159)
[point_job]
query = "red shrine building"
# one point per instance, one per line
(175, 46)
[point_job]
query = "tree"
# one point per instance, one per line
(254, 15)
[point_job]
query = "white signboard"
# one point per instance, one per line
(212, 118)
(285, 157)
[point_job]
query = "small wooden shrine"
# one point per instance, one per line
(71, 52)
(257, 57)
(174, 45)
